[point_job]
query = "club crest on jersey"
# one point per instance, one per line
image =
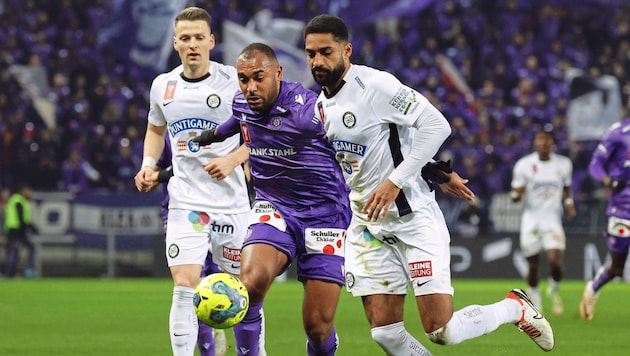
(276, 121)
(213, 101)
(349, 120)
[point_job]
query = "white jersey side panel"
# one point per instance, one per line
(544, 182)
(187, 108)
(369, 122)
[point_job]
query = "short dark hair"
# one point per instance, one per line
(328, 24)
(248, 51)
(548, 130)
(193, 14)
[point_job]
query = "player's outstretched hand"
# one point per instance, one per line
(205, 138)
(456, 185)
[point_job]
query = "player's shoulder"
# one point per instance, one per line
(224, 71)
(173, 74)
(294, 94)
(530, 157)
(561, 158)
(369, 77)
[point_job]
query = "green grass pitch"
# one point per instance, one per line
(130, 317)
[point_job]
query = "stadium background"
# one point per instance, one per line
(74, 80)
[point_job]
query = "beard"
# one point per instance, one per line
(327, 77)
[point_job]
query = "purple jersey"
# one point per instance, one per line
(292, 161)
(612, 158)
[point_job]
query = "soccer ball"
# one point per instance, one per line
(221, 300)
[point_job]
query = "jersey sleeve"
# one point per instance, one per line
(598, 165)
(568, 177)
(230, 127)
(518, 176)
(395, 102)
(156, 116)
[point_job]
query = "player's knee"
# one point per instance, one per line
(445, 335)
(387, 337)
(317, 328)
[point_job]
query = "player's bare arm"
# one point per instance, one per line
(221, 167)
(153, 146)
(517, 193)
(569, 206)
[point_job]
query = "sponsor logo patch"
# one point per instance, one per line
(404, 100)
(420, 269)
(328, 241)
(232, 254)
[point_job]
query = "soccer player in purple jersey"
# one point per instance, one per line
(301, 209)
(206, 342)
(610, 164)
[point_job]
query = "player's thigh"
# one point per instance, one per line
(320, 302)
(427, 252)
(554, 238)
(186, 242)
(321, 249)
(227, 232)
(435, 310)
(530, 242)
(373, 266)
(260, 264)
(383, 309)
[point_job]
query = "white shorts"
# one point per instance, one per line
(191, 234)
(383, 258)
(536, 237)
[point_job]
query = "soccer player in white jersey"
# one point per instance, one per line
(383, 132)
(543, 178)
(204, 213)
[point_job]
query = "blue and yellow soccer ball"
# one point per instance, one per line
(221, 300)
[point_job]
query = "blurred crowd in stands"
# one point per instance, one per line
(513, 55)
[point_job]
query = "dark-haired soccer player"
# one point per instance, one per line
(301, 209)
(610, 165)
(383, 132)
(543, 179)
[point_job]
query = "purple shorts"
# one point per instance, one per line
(315, 243)
(617, 244)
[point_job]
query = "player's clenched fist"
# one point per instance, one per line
(143, 180)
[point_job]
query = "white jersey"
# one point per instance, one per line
(369, 121)
(544, 182)
(188, 107)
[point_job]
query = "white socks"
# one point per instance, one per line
(395, 340)
(476, 320)
(182, 321)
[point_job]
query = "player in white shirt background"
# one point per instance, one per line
(383, 132)
(543, 179)
(204, 212)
